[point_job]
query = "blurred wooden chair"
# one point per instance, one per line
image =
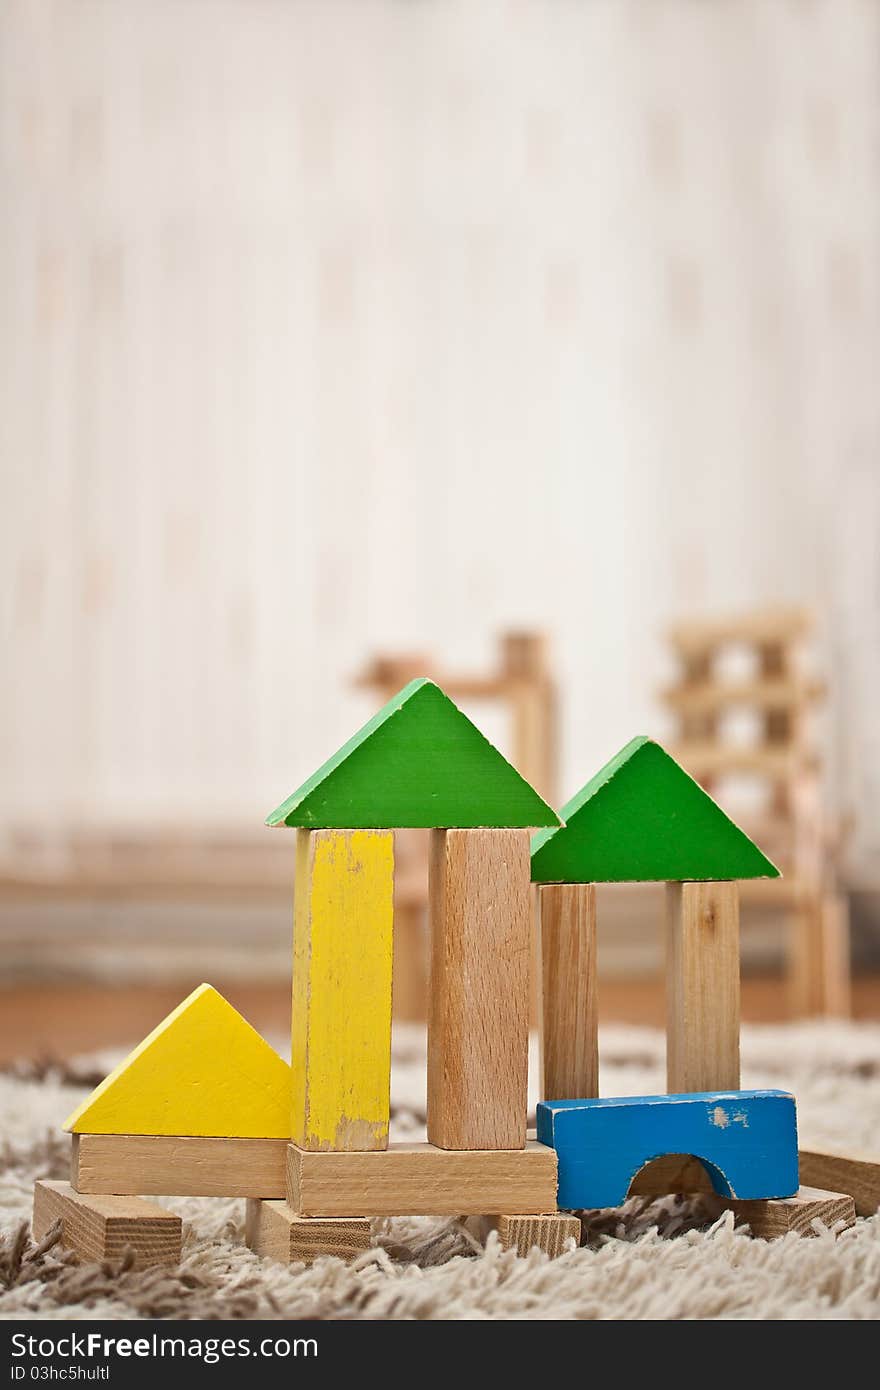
(782, 701)
(523, 683)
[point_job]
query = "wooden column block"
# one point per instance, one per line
(104, 1227)
(819, 958)
(857, 1175)
(568, 998)
(178, 1166)
(479, 887)
(421, 1180)
(342, 953)
(275, 1232)
(549, 1233)
(777, 1216)
(703, 990)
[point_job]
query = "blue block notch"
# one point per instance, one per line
(746, 1141)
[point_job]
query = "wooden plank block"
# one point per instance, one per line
(747, 1141)
(99, 1228)
(702, 987)
(760, 626)
(765, 693)
(568, 1020)
(418, 762)
(769, 1219)
(551, 1234)
(703, 760)
(203, 1070)
(178, 1166)
(856, 1174)
(341, 1021)
(478, 1007)
(420, 1180)
(274, 1232)
(642, 818)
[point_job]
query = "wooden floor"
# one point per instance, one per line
(58, 1021)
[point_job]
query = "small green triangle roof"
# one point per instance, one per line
(418, 762)
(643, 818)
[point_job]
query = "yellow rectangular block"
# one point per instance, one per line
(341, 1030)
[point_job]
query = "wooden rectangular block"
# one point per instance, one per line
(568, 1016)
(478, 1018)
(104, 1227)
(549, 1233)
(857, 1175)
(274, 1232)
(775, 1217)
(342, 953)
(703, 993)
(178, 1166)
(421, 1180)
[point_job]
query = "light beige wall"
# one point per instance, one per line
(331, 325)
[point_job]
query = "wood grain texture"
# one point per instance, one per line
(99, 1228)
(777, 1216)
(552, 1234)
(178, 1166)
(478, 1007)
(642, 818)
(203, 1070)
(420, 1180)
(702, 987)
(275, 1232)
(341, 1017)
(670, 1173)
(568, 1002)
(418, 762)
(856, 1174)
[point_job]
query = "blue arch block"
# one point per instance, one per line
(746, 1141)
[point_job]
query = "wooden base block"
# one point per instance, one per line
(855, 1174)
(104, 1227)
(178, 1166)
(549, 1233)
(776, 1217)
(421, 1180)
(274, 1232)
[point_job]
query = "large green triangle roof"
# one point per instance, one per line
(418, 762)
(643, 818)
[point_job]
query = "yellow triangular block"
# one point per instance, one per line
(204, 1070)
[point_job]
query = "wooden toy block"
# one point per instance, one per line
(341, 1022)
(568, 1005)
(101, 1228)
(702, 987)
(418, 762)
(643, 818)
(857, 1175)
(551, 1234)
(203, 1070)
(746, 1140)
(479, 907)
(273, 1231)
(420, 1180)
(178, 1166)
(769, 1219)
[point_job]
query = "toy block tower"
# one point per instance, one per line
(642, 818)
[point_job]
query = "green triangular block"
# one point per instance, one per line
(418, 762)
(643, 818)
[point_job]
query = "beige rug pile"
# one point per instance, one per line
(648, 1260)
